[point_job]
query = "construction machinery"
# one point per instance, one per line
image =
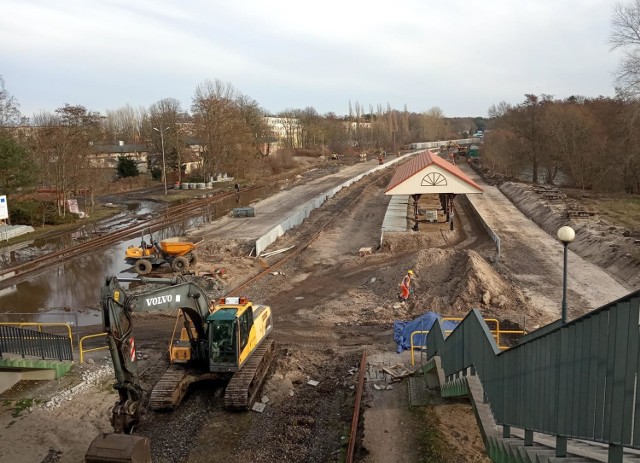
(226, 339)
(461, 149)
(177, 252)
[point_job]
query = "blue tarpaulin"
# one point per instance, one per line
(402, 330)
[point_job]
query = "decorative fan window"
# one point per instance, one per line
(434, 179)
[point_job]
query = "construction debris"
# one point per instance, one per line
(258, 407)
(273, 253)
(397, 372)
(364, 251)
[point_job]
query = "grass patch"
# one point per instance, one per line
(20, 406)
(432, 446)
(623, 210)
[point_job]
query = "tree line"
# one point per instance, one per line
(590, 143)
(55, 149)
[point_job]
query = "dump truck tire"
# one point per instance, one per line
(143, 267)
(180, 264)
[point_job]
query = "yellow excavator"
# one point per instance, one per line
(461, 149)
(224, 339)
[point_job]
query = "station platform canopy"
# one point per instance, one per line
(428, 173)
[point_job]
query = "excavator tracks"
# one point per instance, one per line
(172, 387)
(244, 384)
(166, 394)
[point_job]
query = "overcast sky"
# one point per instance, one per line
(460, 55)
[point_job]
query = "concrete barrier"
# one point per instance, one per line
(492, 234)
(11, 231)
(305, 209)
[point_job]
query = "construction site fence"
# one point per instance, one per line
(579, 380)
(20, 341)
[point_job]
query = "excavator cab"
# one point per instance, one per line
(223, 341)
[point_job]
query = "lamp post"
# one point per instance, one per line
(164, 170)
(566, 235)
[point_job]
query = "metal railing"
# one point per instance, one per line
(39, 326)
(496, 333)
(92, 349)
(579, 380)
(35, 343)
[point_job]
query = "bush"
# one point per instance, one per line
(37, 214)
(127, 167)
(281, 161)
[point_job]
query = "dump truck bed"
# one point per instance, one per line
(174, 247)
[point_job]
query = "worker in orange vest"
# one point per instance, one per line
(405, 286)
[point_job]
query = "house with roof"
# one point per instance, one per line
(106, 156)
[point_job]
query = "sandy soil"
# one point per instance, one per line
(329, 304)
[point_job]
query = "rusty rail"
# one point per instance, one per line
(356, 408)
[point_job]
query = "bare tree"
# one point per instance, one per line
(9, 108)
(125, 123)
(625, 35)
(228, 123)
(63, 148)
(526, 121)
(163, 124)
(577, 141)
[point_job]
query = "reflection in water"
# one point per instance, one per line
(73, 285)
(138, 211)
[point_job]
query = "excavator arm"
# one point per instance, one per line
(117, 308)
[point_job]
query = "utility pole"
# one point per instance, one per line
(164, 169)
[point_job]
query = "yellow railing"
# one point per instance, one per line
(83, 350)
(495, 333)
(40, 325)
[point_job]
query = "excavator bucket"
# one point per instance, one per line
(119, 448)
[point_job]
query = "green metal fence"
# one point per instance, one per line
(579, 380)
(34, 343)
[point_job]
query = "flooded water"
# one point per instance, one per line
(74, 288)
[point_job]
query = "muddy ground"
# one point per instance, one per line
(329, 305)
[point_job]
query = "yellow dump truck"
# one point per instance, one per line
(177, 252)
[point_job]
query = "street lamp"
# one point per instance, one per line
(566, 235)
(164, 171)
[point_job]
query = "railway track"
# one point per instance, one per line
(236, 291)
(169, 216)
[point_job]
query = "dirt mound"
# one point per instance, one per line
(403, 241)
(458, 281)
(213, 250)
(447, 281)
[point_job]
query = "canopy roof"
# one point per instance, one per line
(429, 173)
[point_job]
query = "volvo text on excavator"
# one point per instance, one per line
(224, 339)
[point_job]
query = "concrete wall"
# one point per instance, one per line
(492, 234)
